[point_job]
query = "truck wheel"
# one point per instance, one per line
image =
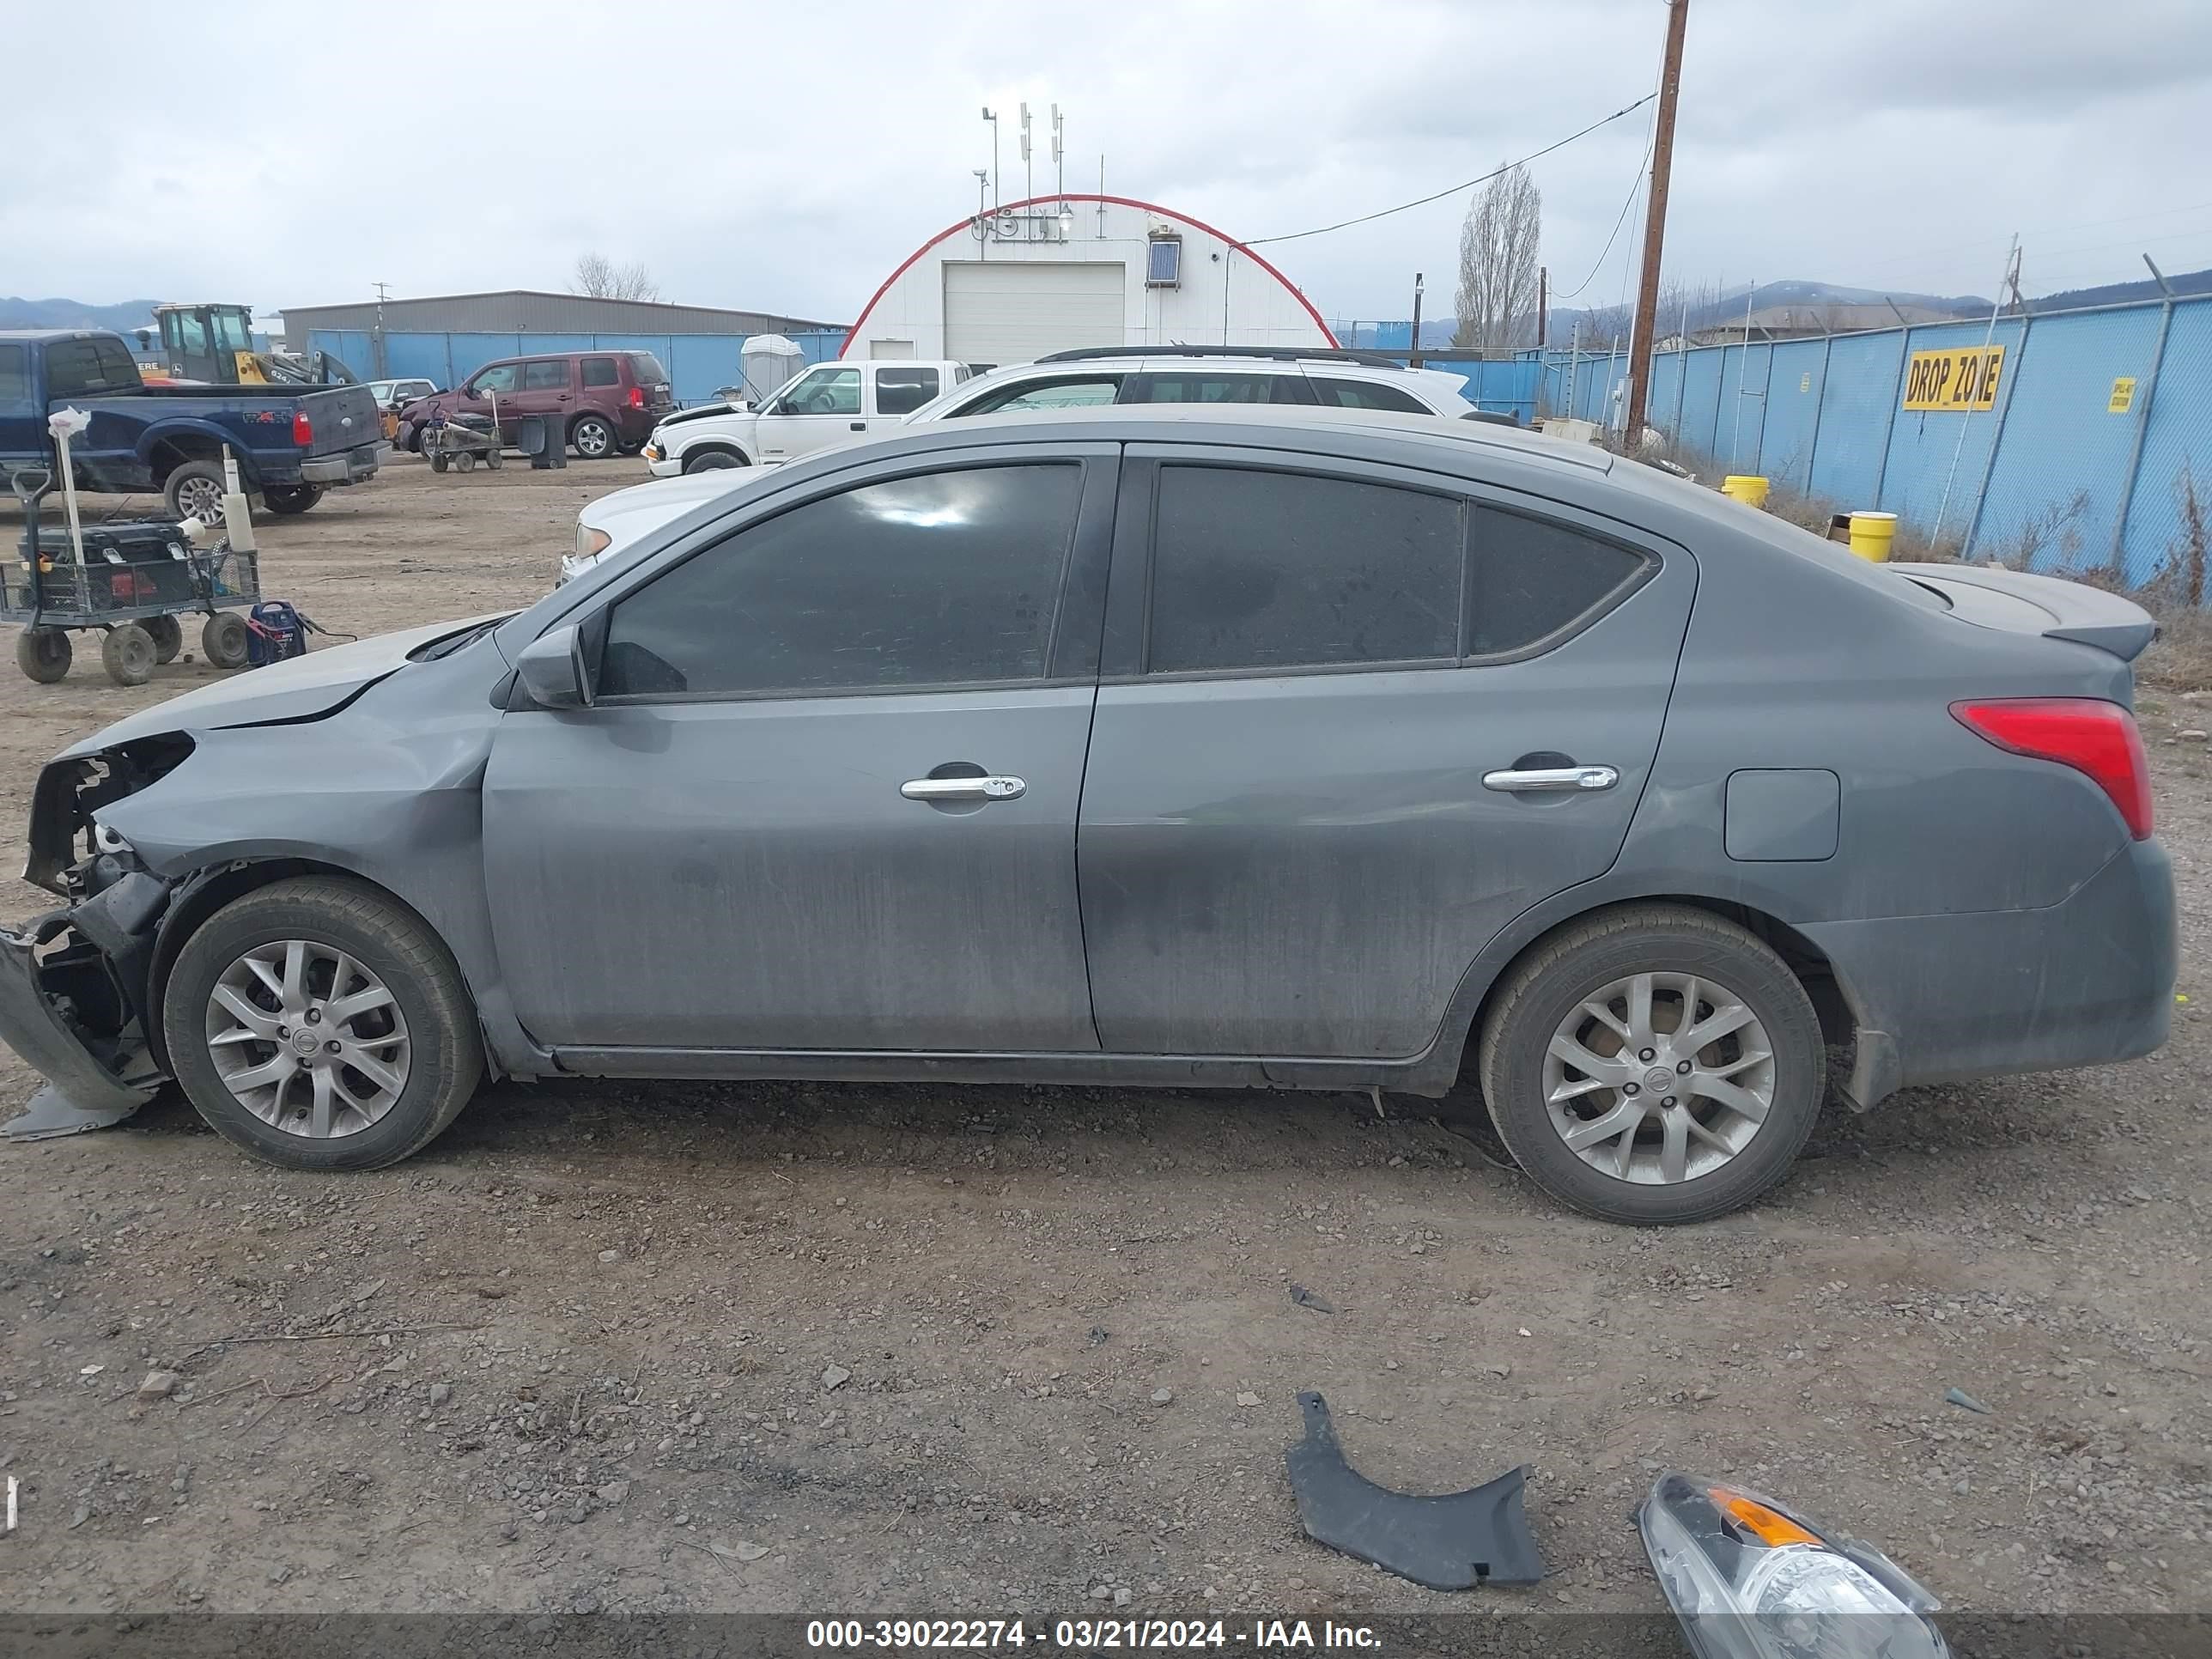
(320, 1025)
(291, 498)
(225, 640)
(43, 653)
(195, 490)
(168, 635)
(593, 438)
(127, 654)
(709, 460)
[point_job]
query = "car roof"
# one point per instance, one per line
(35, 335)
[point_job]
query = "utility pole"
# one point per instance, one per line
(1655, 222)
(1029, 168)
(1543, 301)
(991, 116)
(1413, 355)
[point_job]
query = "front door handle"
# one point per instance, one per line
(989, 788)
(859, 426)
(1538, 779)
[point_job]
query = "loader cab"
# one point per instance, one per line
(213, 343)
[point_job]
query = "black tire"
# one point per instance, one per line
(711, 460)
(197, 486)
(127, 654)
(413, 439)
(594, 439)
(1560, 972)
(168, 635)
(225, 640)
(437, 460)
(290, 498)
(445, 1057)
(43, 653)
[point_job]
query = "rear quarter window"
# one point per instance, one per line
(601, 370)
(645, 368)
(1531, 579)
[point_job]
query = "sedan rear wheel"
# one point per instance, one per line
(1656, 1063)
(320, 1025)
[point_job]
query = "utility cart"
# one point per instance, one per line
(460, 441)
(133, 582)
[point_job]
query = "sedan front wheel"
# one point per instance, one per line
(320, 1025)
(1653, 1064)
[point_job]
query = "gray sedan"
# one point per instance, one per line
(1243, 749)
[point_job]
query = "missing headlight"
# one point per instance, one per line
(68, 791)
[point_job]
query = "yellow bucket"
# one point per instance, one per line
(1745, 488)
(1870, 534)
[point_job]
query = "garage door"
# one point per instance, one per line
(1014, 310)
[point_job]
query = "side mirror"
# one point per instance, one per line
(552, 669)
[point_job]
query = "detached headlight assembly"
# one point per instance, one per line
(1750, 1580)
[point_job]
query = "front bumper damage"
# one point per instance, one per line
(72, 1003)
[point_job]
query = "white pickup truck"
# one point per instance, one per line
(820, 407)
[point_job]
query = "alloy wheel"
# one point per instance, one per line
(307, 1038)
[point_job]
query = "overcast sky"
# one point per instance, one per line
(787, 157)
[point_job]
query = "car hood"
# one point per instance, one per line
(298, 689)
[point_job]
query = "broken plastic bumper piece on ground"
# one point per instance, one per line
(1454, 1540)
(1749, 1579)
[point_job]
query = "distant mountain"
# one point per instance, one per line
(2112, 294)
(75, 313)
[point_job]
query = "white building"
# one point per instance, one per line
(1055, 273)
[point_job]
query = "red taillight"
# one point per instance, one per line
(303, 429)
(2086, 733)
(637, 397)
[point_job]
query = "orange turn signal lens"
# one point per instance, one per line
(1769, 1526)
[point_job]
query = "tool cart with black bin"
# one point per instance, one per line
(132, 582)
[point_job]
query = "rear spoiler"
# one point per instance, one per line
(1991, 596)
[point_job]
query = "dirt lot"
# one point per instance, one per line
(930, 1350)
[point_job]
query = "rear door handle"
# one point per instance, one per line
(1543, 779)
(993, 788)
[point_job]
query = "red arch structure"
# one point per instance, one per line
(958, 226)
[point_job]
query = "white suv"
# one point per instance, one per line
(1208, 375)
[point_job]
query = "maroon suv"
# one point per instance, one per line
(612, 399)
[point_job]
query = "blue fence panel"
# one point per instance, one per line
(426, 356)
(1698, 403)
(471, 352)
(2052, 501)
(818, 346)
(699, 364)
(1666, 382)
(1796, 374)
(1857, 399)
(2176, 452)
(350, 346)
(1937, 456)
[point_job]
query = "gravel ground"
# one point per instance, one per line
(928, 1350)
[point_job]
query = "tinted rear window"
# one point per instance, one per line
(74, 367)
(15, 374)
(601, 370)
(1529, 578)
(1367, 394)
(645, 368)
(1254, 569)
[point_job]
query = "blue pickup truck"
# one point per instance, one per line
(292, 442)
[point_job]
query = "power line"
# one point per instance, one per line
(1323, 230)
(1634, 184)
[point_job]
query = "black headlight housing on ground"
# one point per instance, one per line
(1750, 1579)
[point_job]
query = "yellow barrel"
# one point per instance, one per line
(1870, 534)
(1745, 488)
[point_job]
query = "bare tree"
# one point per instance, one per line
(603, 279)
(1497, 301)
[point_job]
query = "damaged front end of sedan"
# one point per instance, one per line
(75, 982)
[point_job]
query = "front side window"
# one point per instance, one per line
(231, 333)
(552, 376)
(188, 330)
(903, 390)
(501, 378)
(1529, 578)
(946, 578)
(1218, 387)
(1080, 391)
(601, 370)
(1264, 570)
(827, 391)
(15, 374)
(1367, 394)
